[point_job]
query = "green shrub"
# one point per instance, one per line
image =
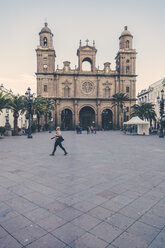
(2, 130)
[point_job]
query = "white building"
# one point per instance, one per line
(150, 95)
(7, 113)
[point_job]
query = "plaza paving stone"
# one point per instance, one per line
(109, 192)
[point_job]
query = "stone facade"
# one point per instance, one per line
(84, 97)
(152, 94)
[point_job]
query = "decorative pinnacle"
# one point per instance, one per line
(87, 42)
(80, 43)
(46, 24)
(125, 27)
(93, 43)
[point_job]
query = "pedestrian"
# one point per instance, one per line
(77, 130)
(58, 139)
(88, 129)
(130, 128)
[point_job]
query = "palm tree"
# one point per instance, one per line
(144, 111)
(4, 101)
(49, 105)
(41, 106)
(118, 100)
(38, 109)
(18, 105)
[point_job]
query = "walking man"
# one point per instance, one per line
(58, 137)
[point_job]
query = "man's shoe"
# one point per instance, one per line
(52, 154)
(65, 153)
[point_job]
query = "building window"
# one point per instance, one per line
(127, 89)
(127, 61)
(45, 88)
(127, 69)
(127, 108)
(107, 92)
(127, 118)
(127, 44)
(45, 41)
(66, 92)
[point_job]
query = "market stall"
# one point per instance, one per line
(135, 123)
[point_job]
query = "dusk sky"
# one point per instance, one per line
(70, 21)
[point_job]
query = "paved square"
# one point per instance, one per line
(108, 192)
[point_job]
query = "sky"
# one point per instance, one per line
(71, 21)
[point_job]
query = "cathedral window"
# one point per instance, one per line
(127, 89)
(107, 92)
(127, 109)
(127, 69)
(45, 88)
(66, 92)
(45, 41)
(127, 61)
(127, 44)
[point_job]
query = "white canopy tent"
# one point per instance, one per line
(142, 126)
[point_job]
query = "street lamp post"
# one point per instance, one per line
(161, 135)
(29, 97)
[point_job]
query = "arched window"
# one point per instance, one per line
(45, 88)
(107, 92)
(127, 69)
(127, 44)
(66, 91)
(87, 64)
(45, 41)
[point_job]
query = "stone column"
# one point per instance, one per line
(115, 117)
(134, 89)
(116, 86)
(98, 115)
(131, 89)
(55, 114)
(98, 88)
(75, 86)
(58, 113)
(76, 119)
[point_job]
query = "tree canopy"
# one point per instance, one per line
(144, 111)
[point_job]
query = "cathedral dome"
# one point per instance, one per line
(126, 32)
(45, 29)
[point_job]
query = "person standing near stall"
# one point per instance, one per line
(58, 139)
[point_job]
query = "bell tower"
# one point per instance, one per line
(45, 62)
(87, 53)
(126, 57)
(45, 51)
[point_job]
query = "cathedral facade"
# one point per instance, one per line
(84, 97)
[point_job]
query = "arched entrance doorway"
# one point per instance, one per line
(107, 119)
(66, 119)
(87, 117)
